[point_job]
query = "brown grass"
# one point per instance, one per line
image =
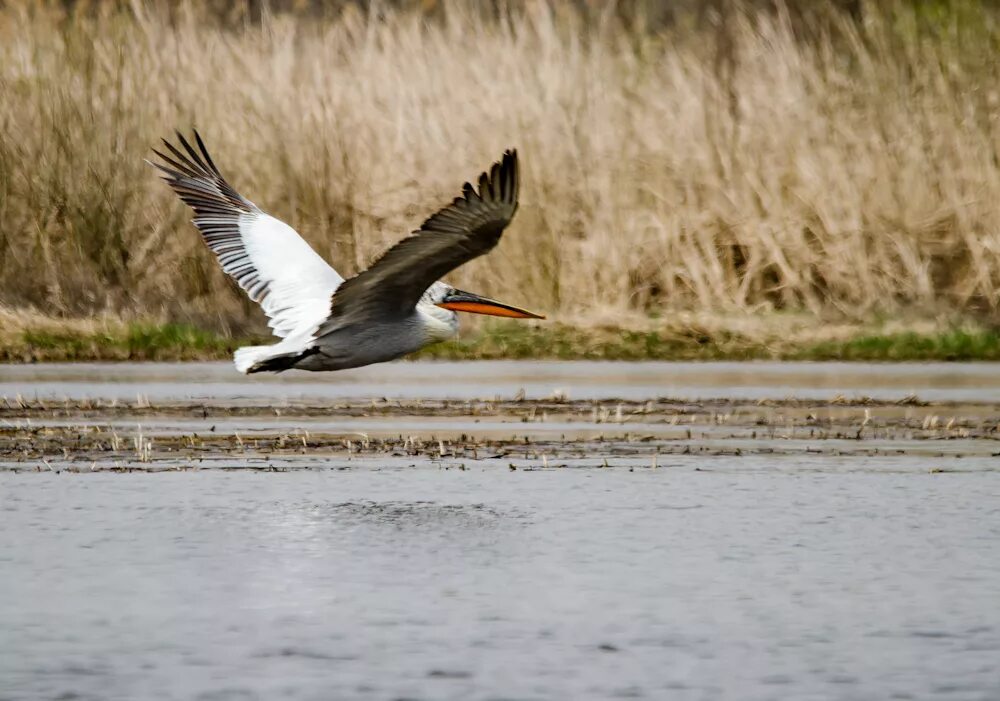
(729, 169)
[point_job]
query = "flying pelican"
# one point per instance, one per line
(395, 307)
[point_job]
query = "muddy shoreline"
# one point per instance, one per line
(93, 435)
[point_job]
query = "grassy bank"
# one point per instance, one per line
(621, 344)
(732, 166)
(35, 339)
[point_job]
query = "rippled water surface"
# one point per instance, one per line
(721, 576)
(696, 580)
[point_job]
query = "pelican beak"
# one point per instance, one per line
(459, 301)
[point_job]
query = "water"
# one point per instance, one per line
(489, 584)
(734, 576)
(536, 379)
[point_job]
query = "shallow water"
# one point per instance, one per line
(488, 584)
(536, 379)
(623, 569)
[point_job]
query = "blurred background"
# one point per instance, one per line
(731, 163)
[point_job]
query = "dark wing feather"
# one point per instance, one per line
(217, 207)
(467, 228)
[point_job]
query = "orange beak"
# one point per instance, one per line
(459, 301)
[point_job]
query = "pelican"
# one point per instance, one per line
(395, 307)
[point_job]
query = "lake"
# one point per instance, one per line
(501, 531)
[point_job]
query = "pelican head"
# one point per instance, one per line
(445, 296)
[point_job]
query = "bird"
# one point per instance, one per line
(396, 306)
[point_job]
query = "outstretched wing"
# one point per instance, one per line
(265, 256)
(467, 228)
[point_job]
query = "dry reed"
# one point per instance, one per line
(731, 169)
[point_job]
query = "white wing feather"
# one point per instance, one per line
(265, 256)
(298, 283)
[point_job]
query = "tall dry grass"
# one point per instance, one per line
(735, 167)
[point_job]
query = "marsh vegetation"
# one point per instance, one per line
(728, 164)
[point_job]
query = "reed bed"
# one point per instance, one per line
(730, 167)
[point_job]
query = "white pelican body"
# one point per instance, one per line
(395, 307)
(352, 347)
